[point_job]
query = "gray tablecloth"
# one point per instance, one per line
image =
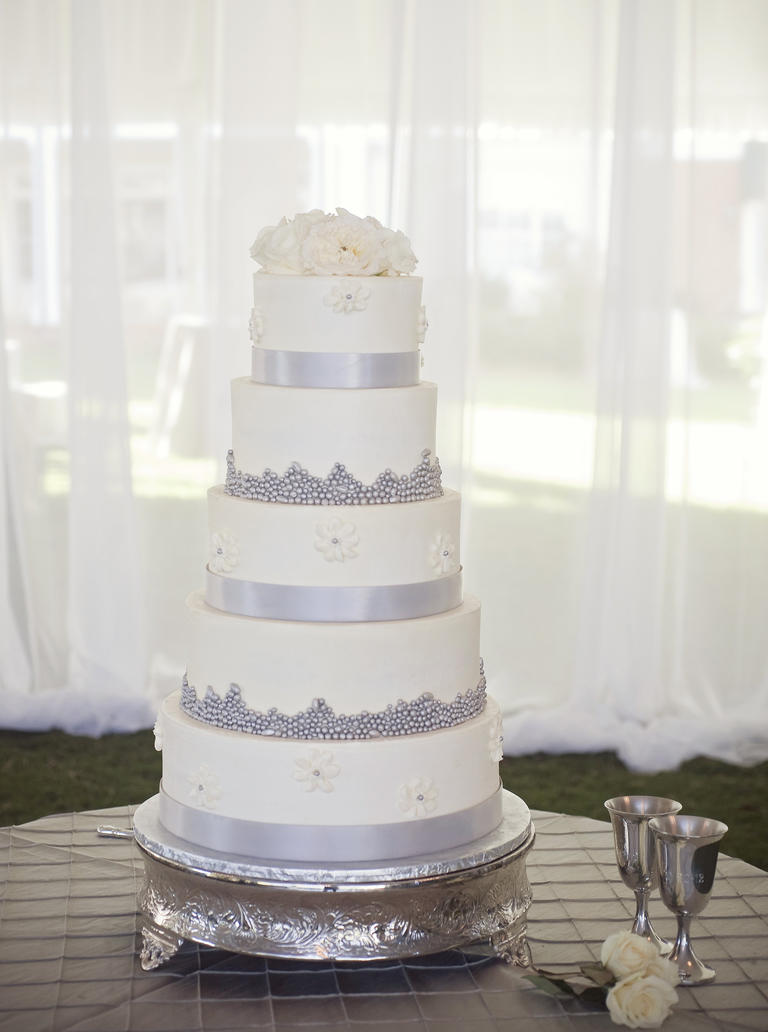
(68, 947)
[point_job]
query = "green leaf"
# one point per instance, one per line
(553, 986)
(598, 974)
(591, 994)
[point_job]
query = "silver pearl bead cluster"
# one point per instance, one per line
(299, 487)
(319, 720)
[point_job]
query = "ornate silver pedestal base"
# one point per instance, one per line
(475, 896)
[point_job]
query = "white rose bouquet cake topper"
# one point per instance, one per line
(633, 980)
(314, 243)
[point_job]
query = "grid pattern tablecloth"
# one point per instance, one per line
(68, 950)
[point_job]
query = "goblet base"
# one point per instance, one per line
(690, 970)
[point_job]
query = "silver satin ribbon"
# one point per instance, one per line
(335, 369)
(320, 604)
(333, 842)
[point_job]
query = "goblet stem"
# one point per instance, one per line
(642, 924)
(690, 969)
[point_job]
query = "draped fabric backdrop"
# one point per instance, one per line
(585, 183)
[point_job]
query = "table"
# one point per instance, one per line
(69, 935)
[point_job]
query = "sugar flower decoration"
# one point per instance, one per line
(256, 326)
(224, 552)
(316, 771)
(347, 297)
(204, 789)
(422, 326)
(417, 797)
(496, 740)
(442, 554)
(337, 540)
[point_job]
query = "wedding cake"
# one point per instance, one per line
(334, 706)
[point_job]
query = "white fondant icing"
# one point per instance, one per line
(353, 666)
(295, 317)
(368, 430)
(276, 540)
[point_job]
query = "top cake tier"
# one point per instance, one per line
(335, 305)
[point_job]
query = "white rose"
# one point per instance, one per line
(397, 250)
(344, 245)
(640, 1001)
(664, 969)
(627, 954)
(278, 248)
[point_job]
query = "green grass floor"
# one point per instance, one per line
(54, 773)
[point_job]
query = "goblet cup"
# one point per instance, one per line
(636, 855)
(686, 857)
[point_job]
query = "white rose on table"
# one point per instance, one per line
(627, 954)
(662, 968)
(640, 1001)
(344, 246)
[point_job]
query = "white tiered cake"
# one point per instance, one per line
(334, 705)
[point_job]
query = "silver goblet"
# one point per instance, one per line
(686, 854)
(635, 853)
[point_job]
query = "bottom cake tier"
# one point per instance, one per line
(340, 800)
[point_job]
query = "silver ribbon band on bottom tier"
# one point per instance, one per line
(321, 604)
(330, 843)
(332, 369)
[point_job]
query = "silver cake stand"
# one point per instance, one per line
(473, 897)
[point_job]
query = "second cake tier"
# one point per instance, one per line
(368, 431)
(353, 668)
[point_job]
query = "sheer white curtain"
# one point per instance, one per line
(585, 185)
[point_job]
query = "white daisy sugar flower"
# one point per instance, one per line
(204, 787)
(422, 326)
(442, 554)
(224, 552)
(256, 326)
(317, 770)
(347, 297)
(417, 797)
(496, 739)
(337, 540)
